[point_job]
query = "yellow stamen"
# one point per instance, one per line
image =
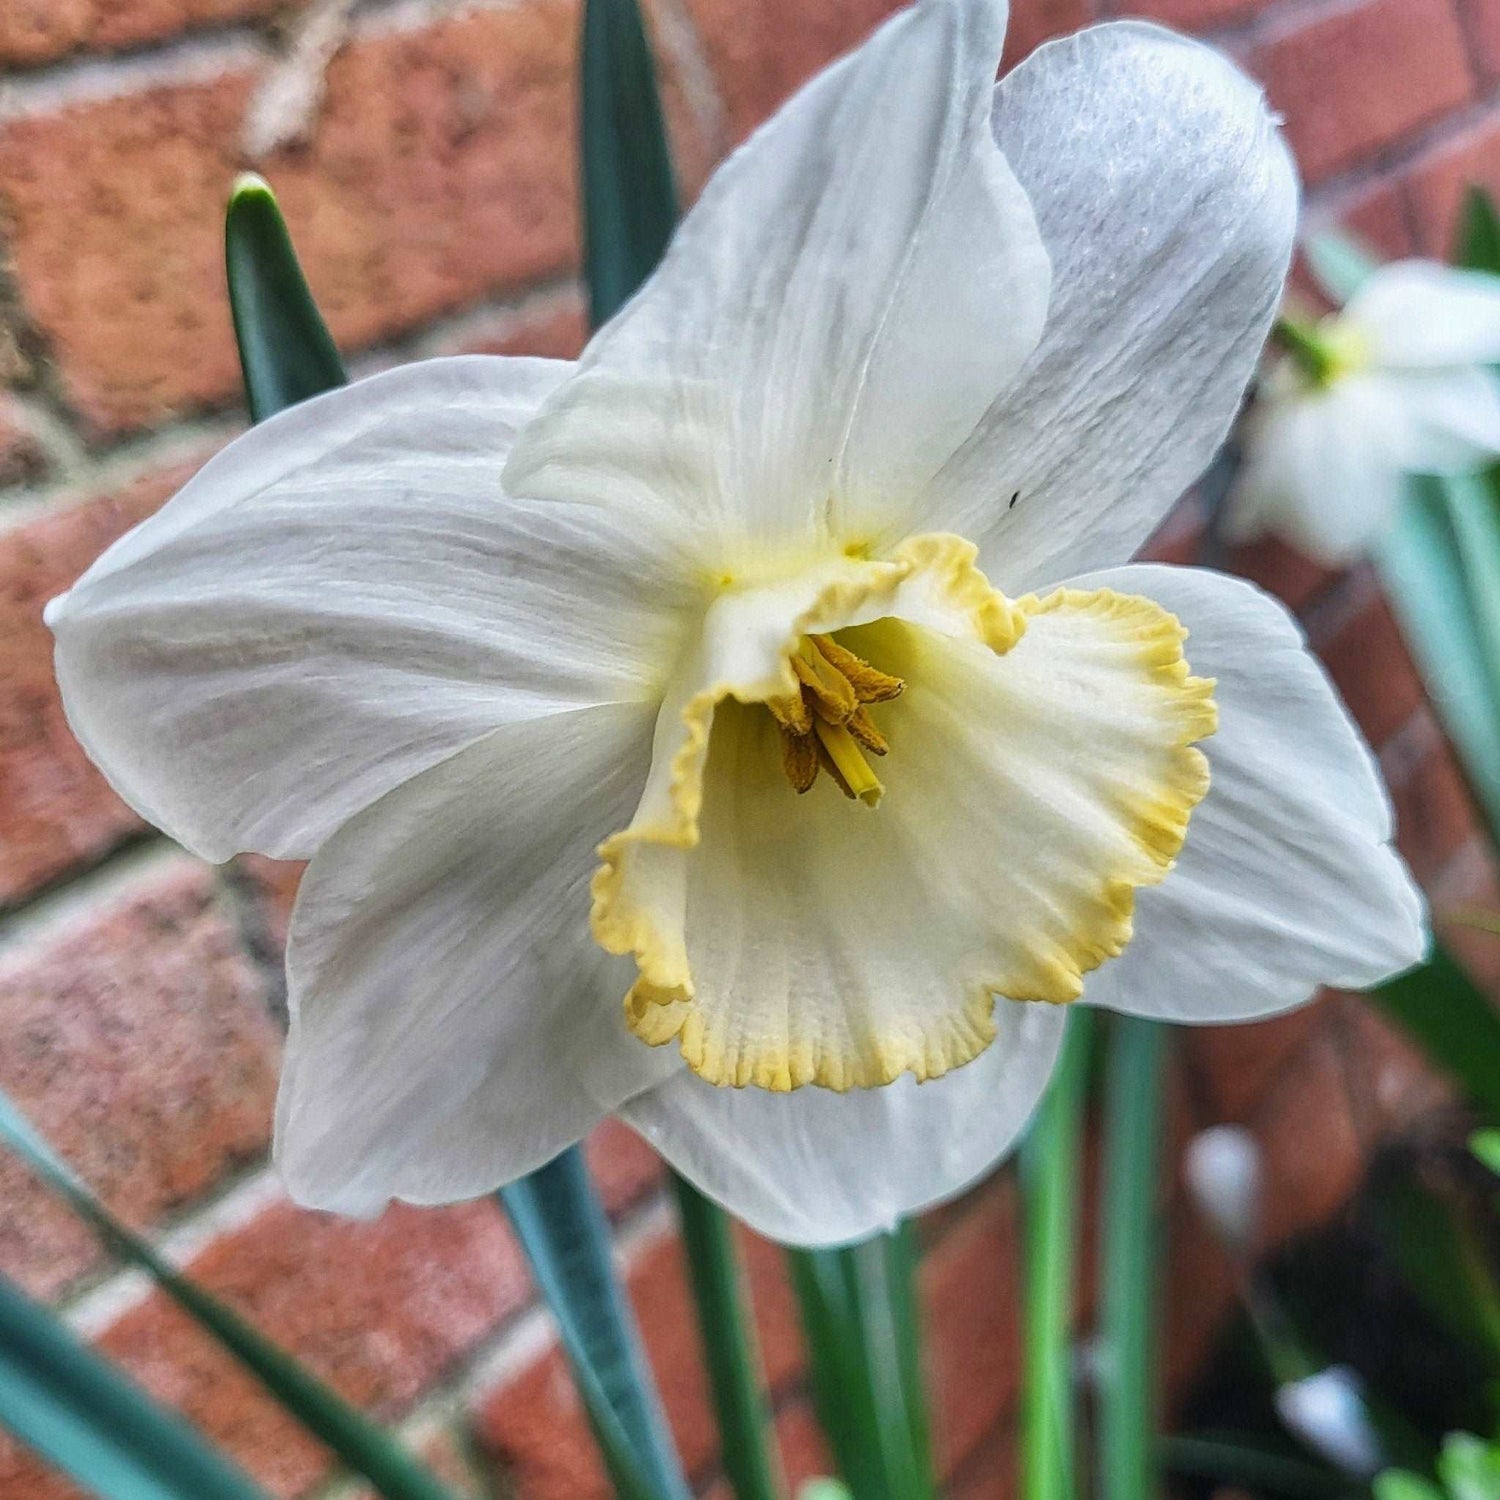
(843, 750)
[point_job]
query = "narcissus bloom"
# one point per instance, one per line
(754, 729)
(1393, 385)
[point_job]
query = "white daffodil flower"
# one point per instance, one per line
(858, 470)
(1393, 385)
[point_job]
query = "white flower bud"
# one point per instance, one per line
(1327, 1411)
(1223, 1172)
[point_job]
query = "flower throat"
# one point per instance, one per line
(826, 725)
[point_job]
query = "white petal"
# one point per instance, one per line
(846, 299)
(1323, 469)
(452, 1024)
(1287, 880)
(1168, 205)
(342, 598)
(1422, 314)
(1450, 419)
(819, 1168)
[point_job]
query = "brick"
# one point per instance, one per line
(1434, 815)
(1357, 78)
(623, 1166)
(990, 1473)
(969, 1290)
(1482, 22)
(21, 453)
(1366, 655)
(440, 172)
(1469, 884)
(1033, 22)
(761, 53)
(39, 31)
(1439, 179)
(1281, 570)
(137, 1038)
(556, 328)
(56, 809)
(1389, 1082)
(1194, 16)
(1313, 1154)
(533, 1426)
(379, 1309)
(1198, 1294)
(1238, 1064)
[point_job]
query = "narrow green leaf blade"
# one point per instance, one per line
(1051, 1173)
(362, 1444)
(629, 196)
(562, 1228)
(858, 1315)
(1448, 1016)
(286, 351)
(1129, 1257)
(86, 1417)
(729, 1348)
(1423, 573)
(1477, 246)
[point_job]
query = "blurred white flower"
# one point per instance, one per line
(1327, 1411)
(1394, 384)
(1223, 1170)
(449, 630)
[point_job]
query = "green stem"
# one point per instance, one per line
(1130, 1256)
(729, 1347)
(1050, 1176)
(858, 1311)
(1309, 353)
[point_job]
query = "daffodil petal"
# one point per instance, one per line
(1040, 770)
(1168, 206)
(853, 289)
(1323, 468)
(1287, 880)
(1424, 315)
(452, 1026)
(820, 1168)
(342, 598)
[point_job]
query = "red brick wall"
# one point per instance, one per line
(434, 205)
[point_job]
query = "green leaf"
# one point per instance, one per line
(365, 1446)
(1051, 1174)
(286, 351)
(1448, 1016)
(1470, 1467)
(1485, 1146)
(563, 1230)
(1402, 1484)
(83, 1415)
(729, 1350)
(1340, 265)
(629, 199)
(859, 1316)
(1442, 1257)
(1477, 246)
(1244, 1461)
(1130, 1253)
(1426, 580)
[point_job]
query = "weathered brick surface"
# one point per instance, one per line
(379, 1309)
(1362, 647)
(136, 1037)
(56, 810)
(39, 31)
(760, 53)
(1358, 77)
(1439, 178)
(441, 171)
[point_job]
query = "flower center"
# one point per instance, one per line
(826, 724)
